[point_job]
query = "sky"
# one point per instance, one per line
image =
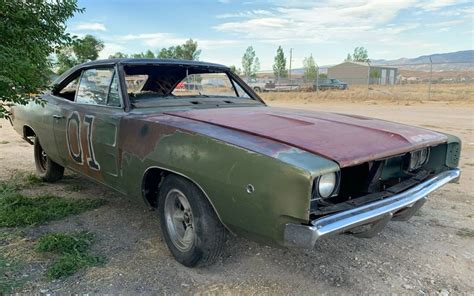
(326, 29)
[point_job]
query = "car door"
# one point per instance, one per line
(86, 129)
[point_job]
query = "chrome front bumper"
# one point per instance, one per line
(376, 215)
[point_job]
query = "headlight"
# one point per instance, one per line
(418, 158)
(326, 185)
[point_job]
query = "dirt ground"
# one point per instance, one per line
(429, 254)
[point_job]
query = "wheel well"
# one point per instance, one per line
(151, 184)
(28, 133)
(152, 180)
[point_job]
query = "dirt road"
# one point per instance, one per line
(432, 253)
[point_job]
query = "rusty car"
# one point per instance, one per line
(215, 160)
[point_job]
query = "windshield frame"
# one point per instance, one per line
(234, 79)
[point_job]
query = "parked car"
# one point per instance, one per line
(330, 83)
(221, 161)
(257, 85)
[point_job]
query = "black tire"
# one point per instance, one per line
(257, 89)
(209, 234)
(46, 169)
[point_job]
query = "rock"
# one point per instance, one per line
(444, 292)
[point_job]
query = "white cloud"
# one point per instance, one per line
(446, 23)
(90, 27)
(109, 49)
(245, 14)
(314, 22)
(154, 39)
(161, 39)
(432, 5)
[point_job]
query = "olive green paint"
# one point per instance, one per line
(223, 171)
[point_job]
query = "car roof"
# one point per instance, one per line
(135, 61)
(143, 61)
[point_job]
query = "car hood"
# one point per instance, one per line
(346, 139)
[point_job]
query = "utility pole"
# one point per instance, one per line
(431, 77)
(291, 56)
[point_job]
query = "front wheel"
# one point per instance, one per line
(190, 227)
(47, 169)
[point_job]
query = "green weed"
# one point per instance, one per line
(19, 210)
(73, 251)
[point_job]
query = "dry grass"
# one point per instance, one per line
(406, 94)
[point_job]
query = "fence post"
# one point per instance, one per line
(317, 79)
(368, 79)
(431, 77)
(278, 81)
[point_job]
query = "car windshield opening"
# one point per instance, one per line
(149, 83)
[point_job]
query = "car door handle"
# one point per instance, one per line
(58, 116)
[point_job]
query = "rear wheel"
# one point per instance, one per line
(190, 226)
(47, 169)
(257, 89)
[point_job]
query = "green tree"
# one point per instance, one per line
(30, 32)
(187, 51)
(118, 55)
(65, 59)
(149, 54)
(250, 63)
(323, 75)
(234, 69)
(256, 66)
(360, 55)
(310, 70)
(143, 55)
(82, 50)
(279, 67)
(87, 48)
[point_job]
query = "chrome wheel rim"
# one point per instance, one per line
(179, 220)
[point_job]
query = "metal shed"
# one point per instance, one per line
(358, 73)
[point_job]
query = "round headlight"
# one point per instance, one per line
(327, 184)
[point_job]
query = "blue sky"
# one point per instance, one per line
(327, 29)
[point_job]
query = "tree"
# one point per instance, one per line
(310, 70)
(118, 55)
(360, 55)
(87, 48)
(65, 59)
(30, 32)
(143, 55)
(234, 69)
(187, 51)
(256, 66)
(323, 75)
(82, 50)
(149, 54)
(279, 67)
(250, 63)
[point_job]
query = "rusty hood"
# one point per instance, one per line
(346, 139)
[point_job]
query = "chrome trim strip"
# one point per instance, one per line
(306, 235)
